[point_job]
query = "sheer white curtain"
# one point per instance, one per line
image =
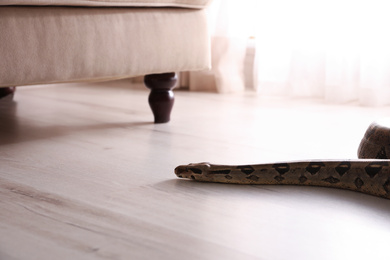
(338, 50)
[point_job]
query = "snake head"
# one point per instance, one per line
(192, 170)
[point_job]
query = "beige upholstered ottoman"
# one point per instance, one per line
(55, 41)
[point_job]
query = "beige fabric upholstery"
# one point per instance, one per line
(133, 3)
(62, 44)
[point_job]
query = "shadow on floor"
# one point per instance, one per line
(15, 129)
(283, 192)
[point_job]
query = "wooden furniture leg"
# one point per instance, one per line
(161, 97)
(4, 92)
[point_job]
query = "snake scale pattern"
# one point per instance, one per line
(370, 176)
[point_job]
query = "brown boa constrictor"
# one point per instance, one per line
(371, 176)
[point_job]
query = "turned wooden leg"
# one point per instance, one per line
(161, 97)
(4, 92)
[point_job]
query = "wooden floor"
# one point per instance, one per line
(84, 174)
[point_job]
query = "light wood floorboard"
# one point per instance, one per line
(84, 174)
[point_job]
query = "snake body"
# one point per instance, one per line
(370, 176)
